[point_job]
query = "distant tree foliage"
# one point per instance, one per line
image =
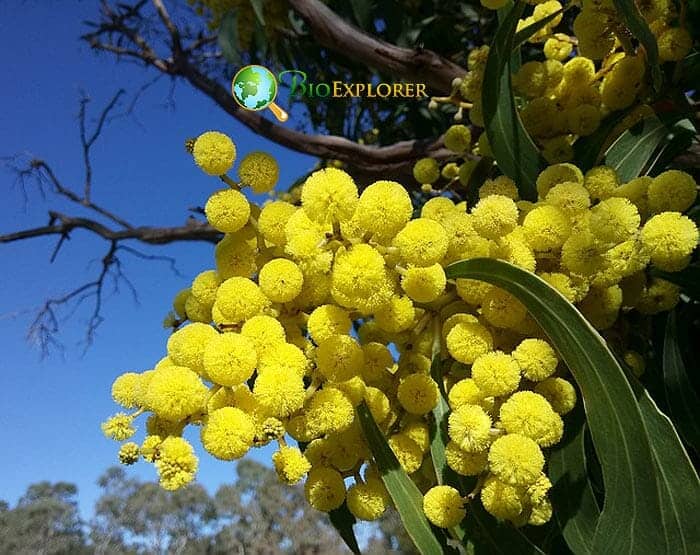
(255, 515)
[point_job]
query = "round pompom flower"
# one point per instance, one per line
(273, 220)
(466, 341)
(418, 394)
(239, 298)
(227, 210)
(204, 287)
(384, 208)
(496, 373)
(229, 359)
(465, 392)
(175, 393)
(601, 182)
(438, 208)
(458, 138)
(501, 500)
(179, 302)
(670, 238)
(659, 296)
(571, 198)
(378, 404)
(536, 358)
(470, 428)
(395, 316)
(426, 170)
(367, 501)
(424, 285)
(360, 279)
(326, 321)
(129, 453)
(516, 460)
(501, 185)
(324, 489)
(559, 392)
(501, 309)
(126, 390)
(290, 464)
(463, 462)
(214, 152)
(283, 355)
(529, 414)
(259, 171)
(228, 433)
(176, 463)
(186, 346)
(556, 174)
(674, 44)
(546, 228)
(264, 332)
(614, 220)
(118, 427)
(329, 411)
(444, 506)
(279, 391)
(407, 451)
(422, 242)
(329, 195)
(339, 358)
(281, 280)
(672, 191)
(495, 216)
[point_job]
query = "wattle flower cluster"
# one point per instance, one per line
(315, 307)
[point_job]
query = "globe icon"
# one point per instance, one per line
(254, 88)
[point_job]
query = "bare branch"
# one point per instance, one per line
(88, 142)
(62, 225)
(119, 34)
(340, 36)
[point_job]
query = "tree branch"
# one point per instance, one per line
(121, 26)
(340, 36)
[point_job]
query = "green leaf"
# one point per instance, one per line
(576, 508)
(516, 154)
(407, 499)
(679, 486)
(343, 521)
(683, 401)
(634, 495)
(639, 28)
(258, 8)
(588, 150)
(680, 138)
(493, 537)
(228, 39)
(632, 151)
(688, 279)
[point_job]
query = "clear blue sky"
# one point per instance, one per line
(50, 410)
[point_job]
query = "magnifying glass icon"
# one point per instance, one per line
(254, 88)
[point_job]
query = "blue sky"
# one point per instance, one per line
(50, 410)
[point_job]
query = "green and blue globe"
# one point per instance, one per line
(254, 87)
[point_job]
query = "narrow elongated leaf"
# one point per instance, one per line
(228, 38)
(343, 521)
(688, 279)
(258, 8)
(632, 151)
(639, 28)
(362, 10)
(634, 496)
(683, 402)
(515, 152)
(680, 138)
(576, 510)
(491, 537)
(439, 438)
(404, 493)
(679, 503)
(588, 150)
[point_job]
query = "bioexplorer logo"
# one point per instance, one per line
(255, 88)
